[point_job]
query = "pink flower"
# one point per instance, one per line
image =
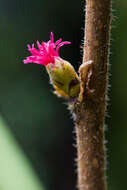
(46, 52)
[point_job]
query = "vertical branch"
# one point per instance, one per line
(90, 109)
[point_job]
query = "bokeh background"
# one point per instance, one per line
(36, 130)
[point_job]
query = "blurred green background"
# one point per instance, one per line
(37, 123)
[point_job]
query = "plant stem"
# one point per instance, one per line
(90, 109)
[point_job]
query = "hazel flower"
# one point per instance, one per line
(47, 51)
(62, 74)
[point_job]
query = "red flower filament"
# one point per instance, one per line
(46, 52)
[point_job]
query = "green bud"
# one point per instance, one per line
(64, 78)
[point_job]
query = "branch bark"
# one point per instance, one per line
(90, 108)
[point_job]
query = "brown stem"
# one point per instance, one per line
(90, 108)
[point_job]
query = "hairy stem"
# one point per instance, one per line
(90, 108)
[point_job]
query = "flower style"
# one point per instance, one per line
(47, 52)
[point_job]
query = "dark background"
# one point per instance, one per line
(38, 119)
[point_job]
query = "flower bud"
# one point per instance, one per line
(62, 74)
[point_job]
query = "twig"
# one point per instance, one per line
(90, 108)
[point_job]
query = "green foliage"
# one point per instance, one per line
(15, 170)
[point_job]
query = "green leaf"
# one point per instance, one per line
(16, 172)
